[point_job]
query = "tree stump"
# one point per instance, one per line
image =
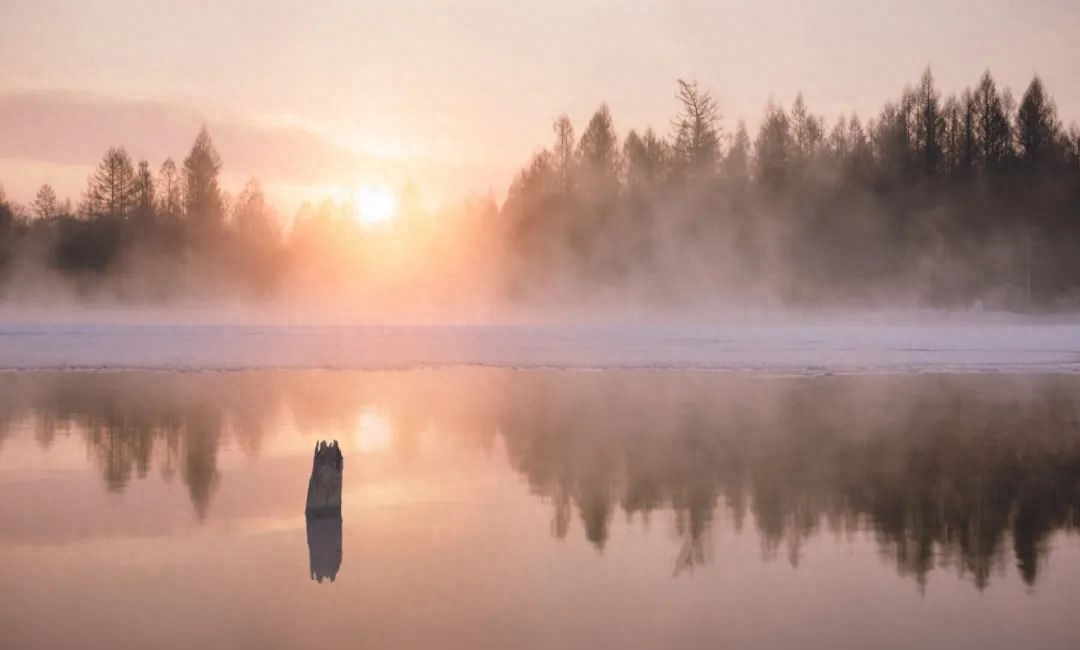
(324, 487)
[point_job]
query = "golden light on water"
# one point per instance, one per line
(373, 431)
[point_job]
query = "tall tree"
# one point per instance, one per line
(598, 149)
(564, 153)
(170, 191)
(646, 158)
(929, 125)
(737, 160)
(860, 156)
(144, 193)
(251, 214)
(1037, 127)
(7, 215)
(772, 147)
(893, 142)
(46, 204)
(992, 130)
(806, 131)
(963, 138)
(697, 130)
(203, 200)
(111, 188)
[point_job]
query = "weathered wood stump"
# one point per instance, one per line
(324, 488)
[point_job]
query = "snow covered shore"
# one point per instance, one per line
(1004, 346)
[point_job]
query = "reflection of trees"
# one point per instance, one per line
(952, 472)
(956, 472)
(131, 421)
(178, 421)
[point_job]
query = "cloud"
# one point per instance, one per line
(43, 130)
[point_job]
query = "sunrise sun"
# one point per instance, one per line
(375, 205)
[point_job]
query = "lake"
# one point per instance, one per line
(495, 508)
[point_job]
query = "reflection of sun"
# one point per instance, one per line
(372, 430)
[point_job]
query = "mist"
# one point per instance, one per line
(960, 202)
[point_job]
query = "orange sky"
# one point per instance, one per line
(456, 95)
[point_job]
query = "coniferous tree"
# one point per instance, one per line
(598, 154)
(737, 160)
(7, 215)
(203, 200)
(144, 193)
(806, 135)
(772, 148)
(646, 157)
(1037, 126)
(860, 155)
(929, 125)
(993, 134)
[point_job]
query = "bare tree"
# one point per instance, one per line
(170, 191)
(564, 153)
(46, 204)
(697, 130)
(111, 188)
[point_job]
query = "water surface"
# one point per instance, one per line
(540, 509)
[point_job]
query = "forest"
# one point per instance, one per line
(961, 200)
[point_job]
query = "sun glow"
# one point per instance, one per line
(373, 431)
(374, 205)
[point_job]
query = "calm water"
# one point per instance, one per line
(501, 508)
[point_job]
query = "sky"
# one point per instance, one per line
(454, 96)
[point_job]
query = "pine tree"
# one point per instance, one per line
(646, 159)
(203, 200)
(806, 131)
(1037, 128)
(929, 125)
(992, 130)
(144, 193)
(772, 148)
(598, 149)
(737, 161)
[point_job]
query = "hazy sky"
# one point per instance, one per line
(455, 95)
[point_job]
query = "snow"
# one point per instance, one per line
(827, 347)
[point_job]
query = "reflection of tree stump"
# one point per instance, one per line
(324, 547)
(324, 488)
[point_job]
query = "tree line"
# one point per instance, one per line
(129, 212)
(958, 200)
(936, 201)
